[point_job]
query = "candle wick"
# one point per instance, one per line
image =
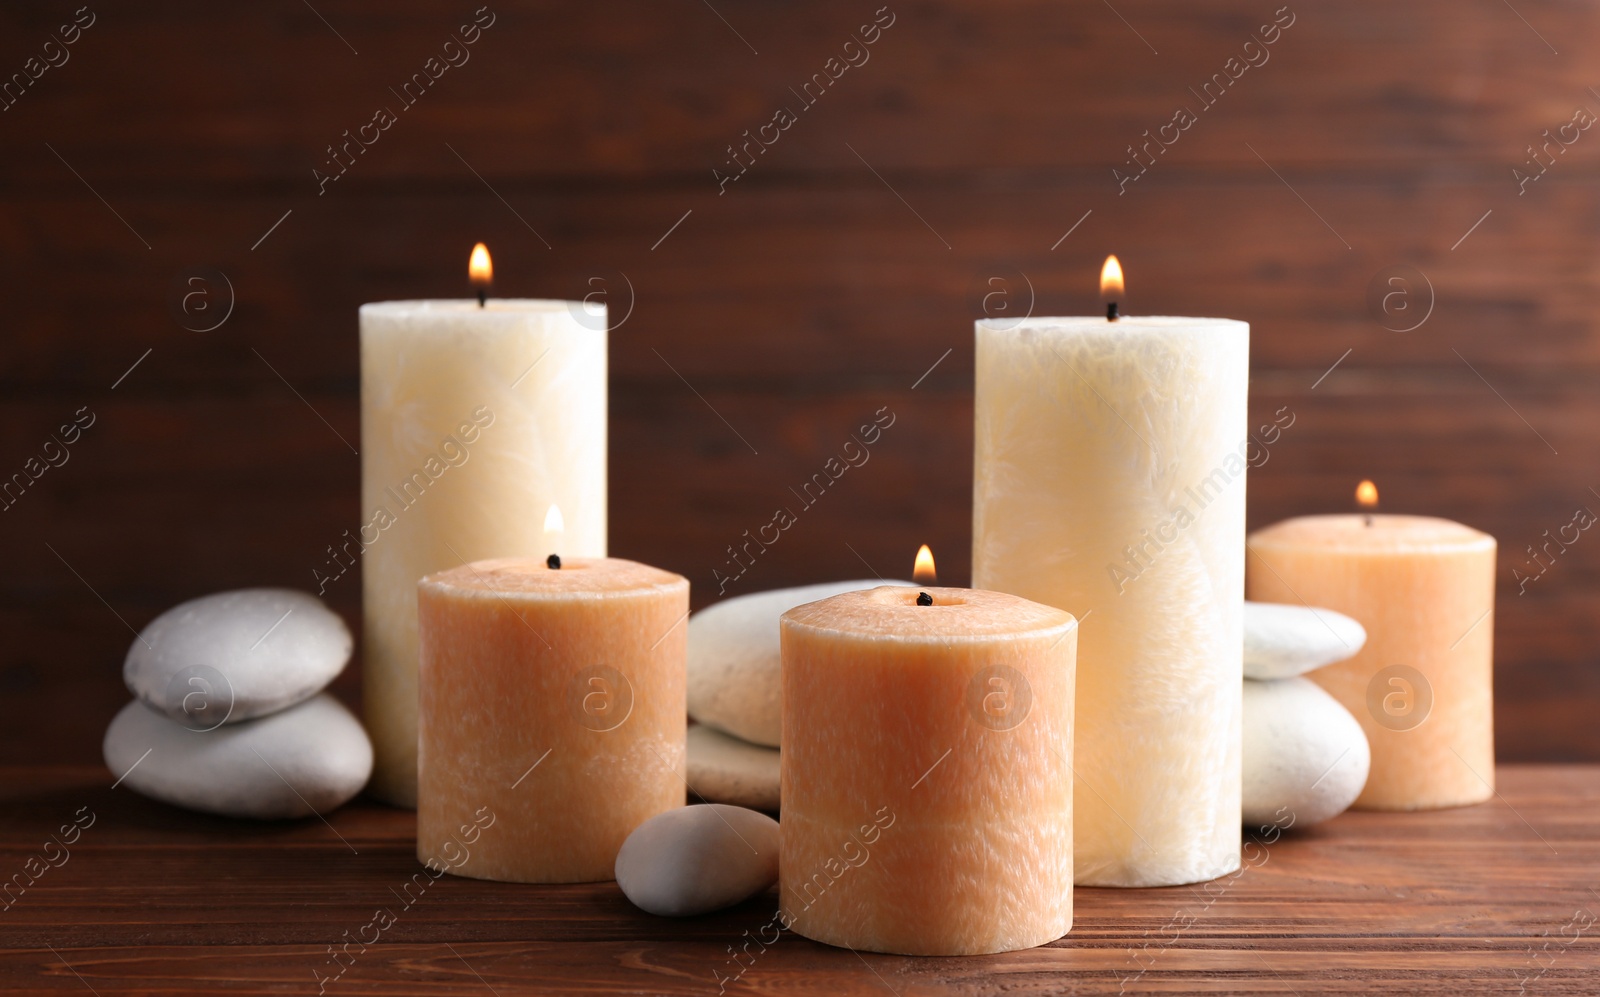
(924, 599)
(483, 296)
(553, 562)
(1111, 311)
(1368, 518)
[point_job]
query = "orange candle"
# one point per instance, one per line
(927, 771)
(1422, 686)
(551, 714)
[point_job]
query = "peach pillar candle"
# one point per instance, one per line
(1422, 686)
(554, 698)
(927, 771)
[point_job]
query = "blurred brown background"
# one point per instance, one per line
(822, 285)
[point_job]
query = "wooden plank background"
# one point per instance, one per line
(827, 282)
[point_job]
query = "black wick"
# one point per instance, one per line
(1111, 311)
(924, 599)
(553, 562)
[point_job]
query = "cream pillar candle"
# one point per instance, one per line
(474, 421)
(927, 771)
(552, 705)
(1109, 481)
(1423, 686)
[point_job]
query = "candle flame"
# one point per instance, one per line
(553, 523)
(1111, 288)
(923, 571)
(1367, 495)
(480, 268)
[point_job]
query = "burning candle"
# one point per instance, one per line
(1109, 481)
(1423, 686)
(476, 416)
(927, 771)
(551, 700)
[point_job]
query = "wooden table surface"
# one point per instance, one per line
(1496, 898)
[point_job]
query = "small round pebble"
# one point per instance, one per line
(734, 681)
(232, 656)
(697, 859)
(1305, 757)
(724, 769)
(310, 758)
(1281, 641)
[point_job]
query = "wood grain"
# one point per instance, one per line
(634, 90)
(841, 274)
(155, 901)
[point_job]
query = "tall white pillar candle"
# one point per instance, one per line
(1109, 482)
(475, 420)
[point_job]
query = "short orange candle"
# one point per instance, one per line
(1423, 686)
(927, 771)
(551, 715)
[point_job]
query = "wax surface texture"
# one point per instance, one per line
(1424, 589)
(552, 704)
(474, 421)
(1110, 481)
(927, 771)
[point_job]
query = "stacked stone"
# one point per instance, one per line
(230, 717)
(1305, 757)
(735, 691)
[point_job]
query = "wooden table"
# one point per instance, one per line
(151, 900)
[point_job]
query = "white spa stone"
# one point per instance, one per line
(310, 758)
(1305, 757)
(734, 681)
(232, 656)
(724, 769)
(697, 859)
(1284, 640)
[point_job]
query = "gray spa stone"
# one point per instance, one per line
(310, 758)
(734, 682)
(724, 769)
(697, 859)
(1306, 757)
(231, 656)
(1281, 641)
